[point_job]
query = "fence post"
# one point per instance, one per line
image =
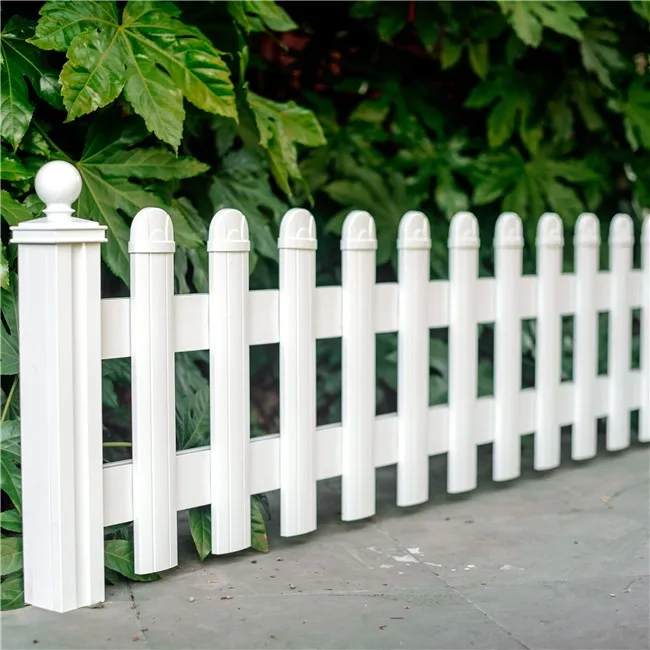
(297, 244)
(414, 244)
(151, 248)
(621, 243)
(228, 248)
(358, 244)
(585, 337)
(548, 351)
(644, 423)
(463, 353)
(61, 402)
(508, 248)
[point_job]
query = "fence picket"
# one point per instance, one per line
(297, 244)
(151, 248)
(621, 242)
(508, 248)
(463, 352)
(414, 244)
(228, 249)
(548, 353)
(644, 420)
(358, 246)
(585, 338)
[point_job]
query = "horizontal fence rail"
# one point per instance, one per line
(153, 324)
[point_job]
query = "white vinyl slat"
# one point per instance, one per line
(621, 242)
(228, 250)
(194, 464)
(463, 352)
(508, 248)
(358, 246)
(151, 249)
(550, 241)
(585, 337)
(297, 244)
(414, 244)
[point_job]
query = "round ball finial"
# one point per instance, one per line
(58, 185)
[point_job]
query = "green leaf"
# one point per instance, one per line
(12, 593)
(479, 57)
(10, 477)
(149, 163)
(12, 169)
(260, 15)
(11, 520)
(243, 184)
(451, 52)
(12, 211)
(636, 113)
(200, 527)
(11, 555)
(193, 419)
(150, 55)
(259, 539)
(9, 331)
(21, 61)
(528, 18)
(281, 127)
(118, 557)
(4, 269)
(599, 50)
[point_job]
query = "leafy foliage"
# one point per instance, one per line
(384, 106)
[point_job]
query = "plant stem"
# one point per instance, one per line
(117, 444)
(12, 390)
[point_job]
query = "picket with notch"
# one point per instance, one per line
(358, 261)
(151, 249)
(414, 244)
(297, 245)
(585, 338)
(508, 249)
(60, 374)
(228, 250)
(550, 241)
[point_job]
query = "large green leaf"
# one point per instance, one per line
(149, 54)
(529, 18)
(12, 593)
(193, 419)
(281, 127)
(20, 61)
(259, 539)
(9, 331)
(118, 557)
(599, 50)
(11, 555)
(12, 211)
(10, 461)
(243, 183)
(11, 520)
(260, 15)
(636, 113)
(201, 530)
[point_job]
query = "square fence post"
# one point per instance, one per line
(61, 401)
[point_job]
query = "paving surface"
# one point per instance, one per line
(558, 560)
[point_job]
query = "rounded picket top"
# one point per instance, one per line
(587, 230)
(359, 232)
(414, 231)
(298, 230)
(508, 232)
(228, 232)
(550, 231)
(152, 232)
(463, 231)
(621, 231)
(58, 185)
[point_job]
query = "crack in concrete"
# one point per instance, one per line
(138, 616)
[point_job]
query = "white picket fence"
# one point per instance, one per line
(66, 329)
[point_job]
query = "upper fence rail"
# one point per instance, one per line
(68, 496)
